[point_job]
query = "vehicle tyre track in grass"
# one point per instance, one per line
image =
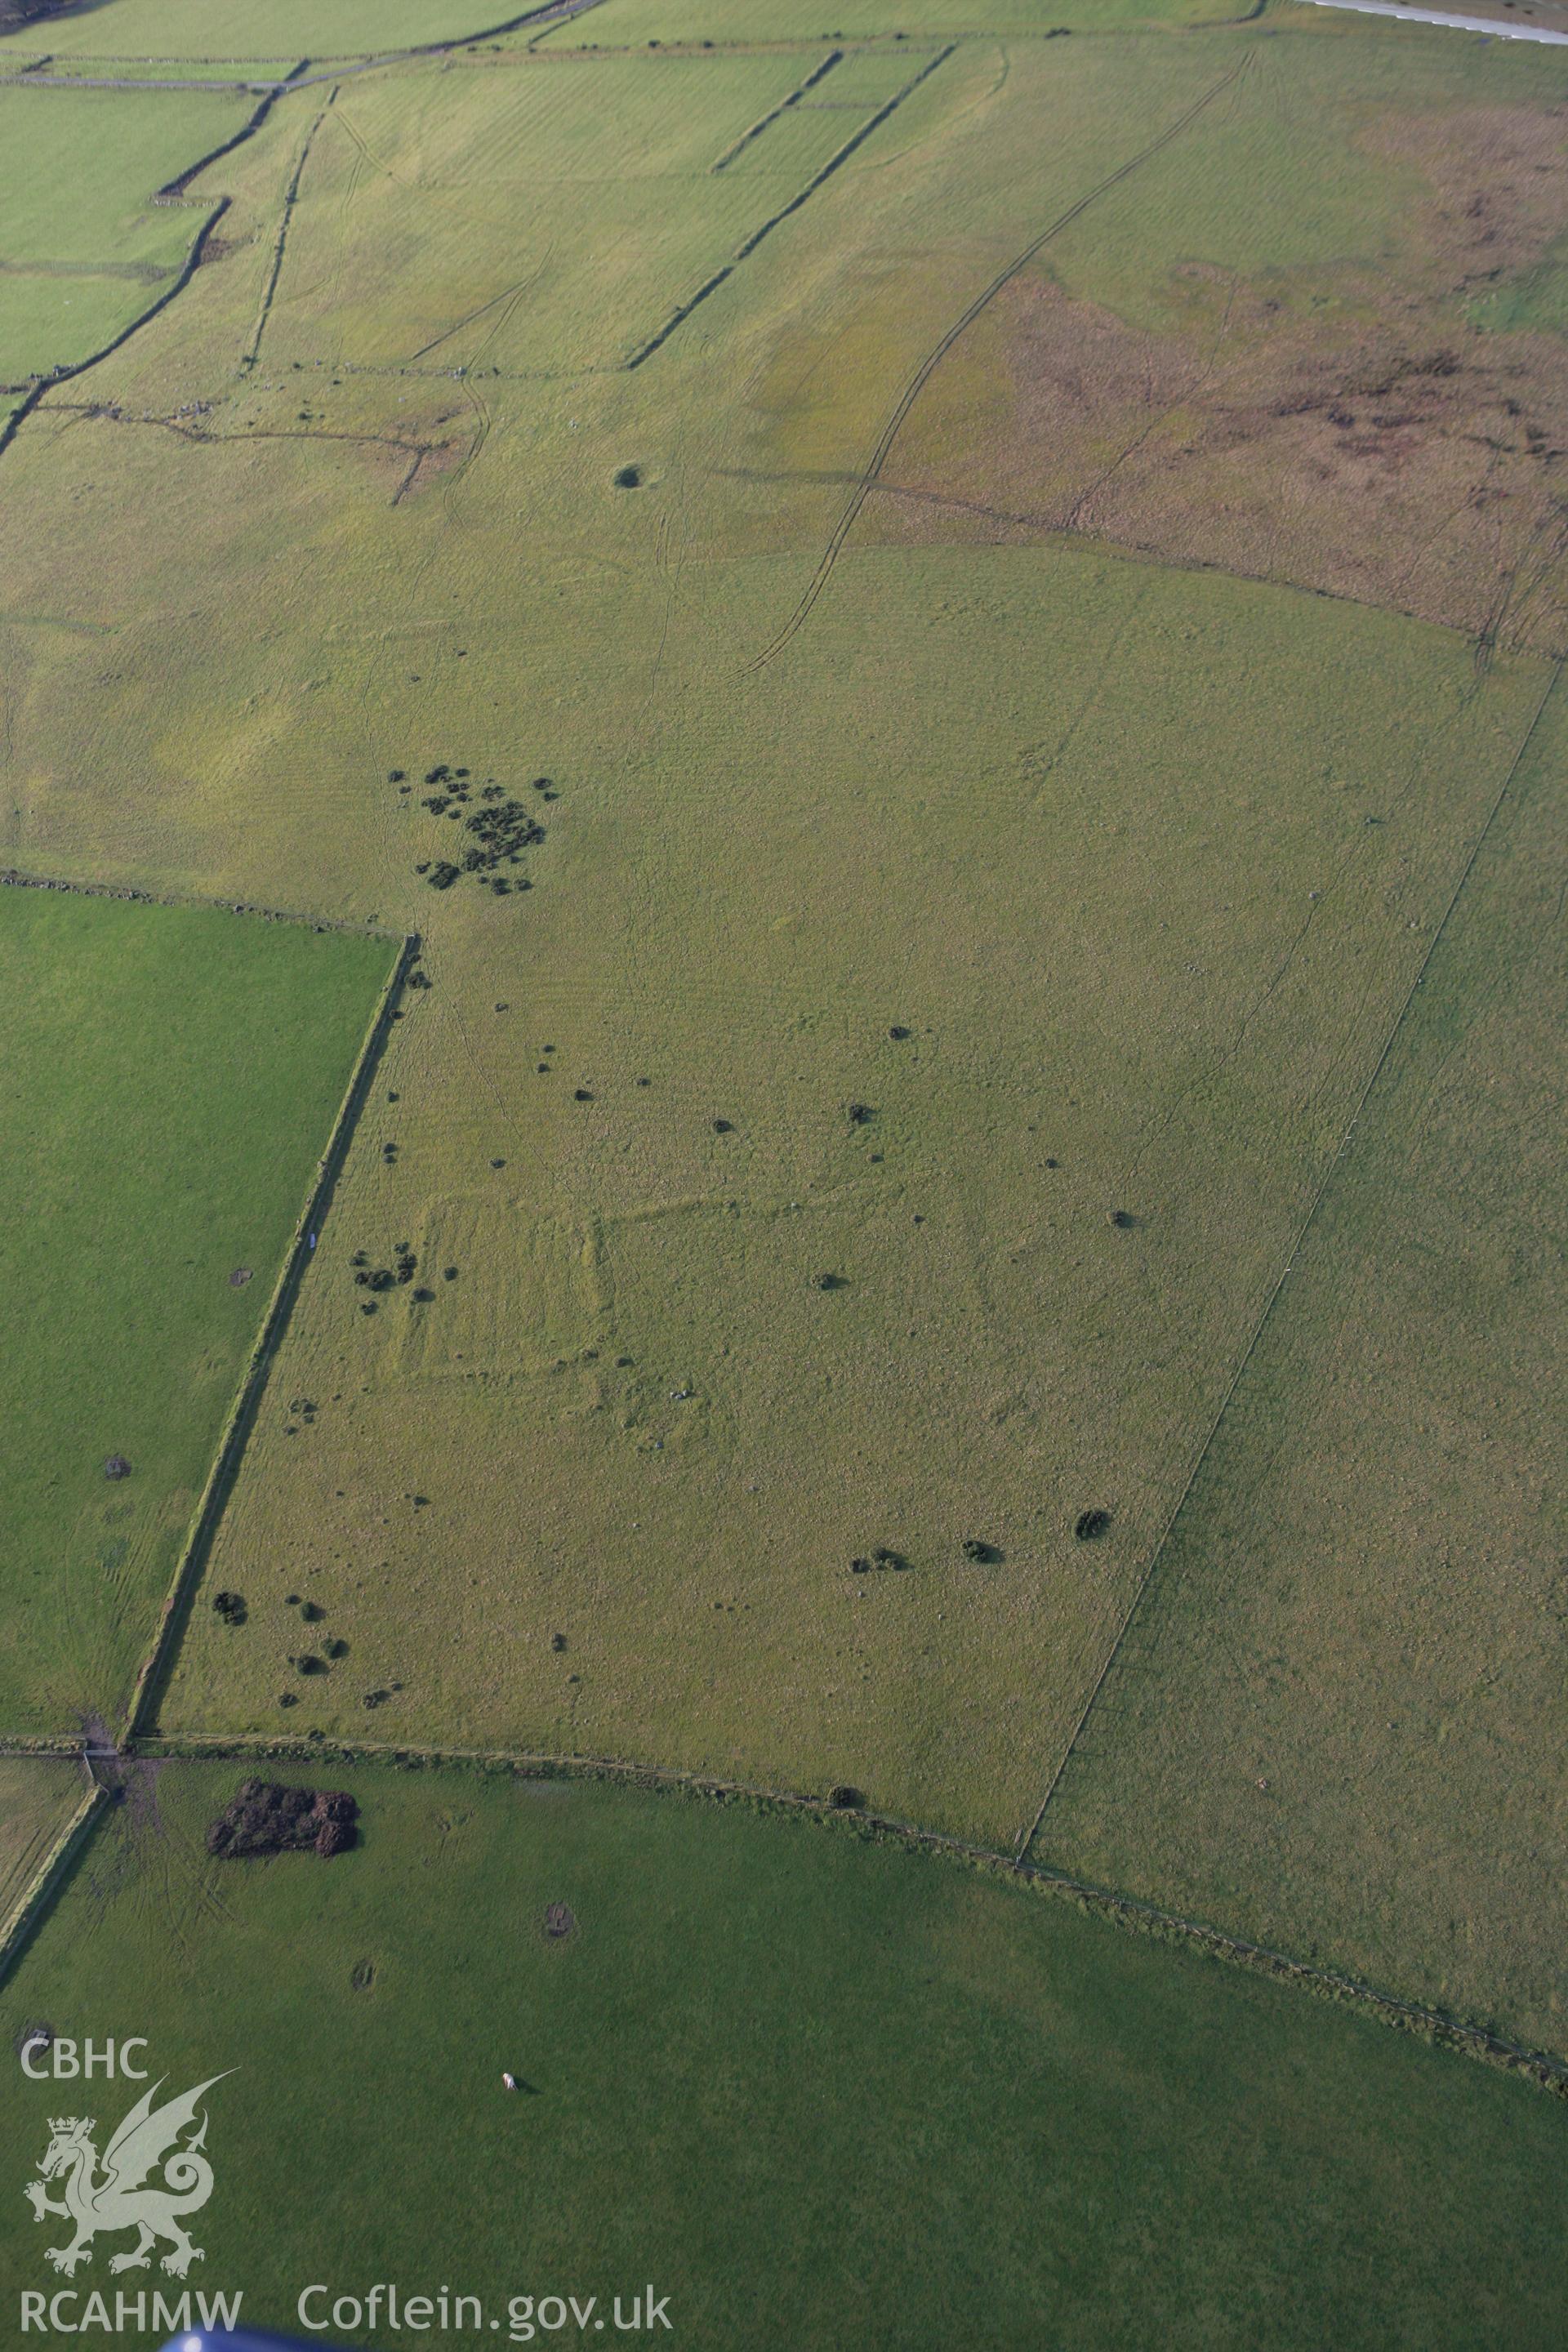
(934, 358)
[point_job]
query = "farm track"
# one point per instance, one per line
(1406, 16)
(934, 358)
(1541, 2068)
(1276, 1293)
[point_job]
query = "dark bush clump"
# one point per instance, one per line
(264, 1818)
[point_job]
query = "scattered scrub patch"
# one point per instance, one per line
(502, 829)
(275, 1817)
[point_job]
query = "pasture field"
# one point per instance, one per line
(46, 69)
(550, 217)
(976, 779)
(38, 1795)
(226, 30)
(962, 800)
(85, 248)
(1334, 1721)
(1024, 806)
(815, 2090)
(632, 24)
(170, 1076)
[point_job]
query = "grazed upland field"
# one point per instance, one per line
(1145, 860)
(170, 1076)
(1334, 1722)
(659, 1381)
(806, 2085)
(949, 643)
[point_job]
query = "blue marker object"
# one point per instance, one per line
(203, 2339)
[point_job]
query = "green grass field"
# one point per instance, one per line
(1024, 988)
(1123, 995)
(38, 1796)
(1334, 1723)
(813, 2089)
(226, 30)
(85, 250)
(479, 180)
(171, 1074)
(634, 23)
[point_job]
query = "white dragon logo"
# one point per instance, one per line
(146, 2139)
